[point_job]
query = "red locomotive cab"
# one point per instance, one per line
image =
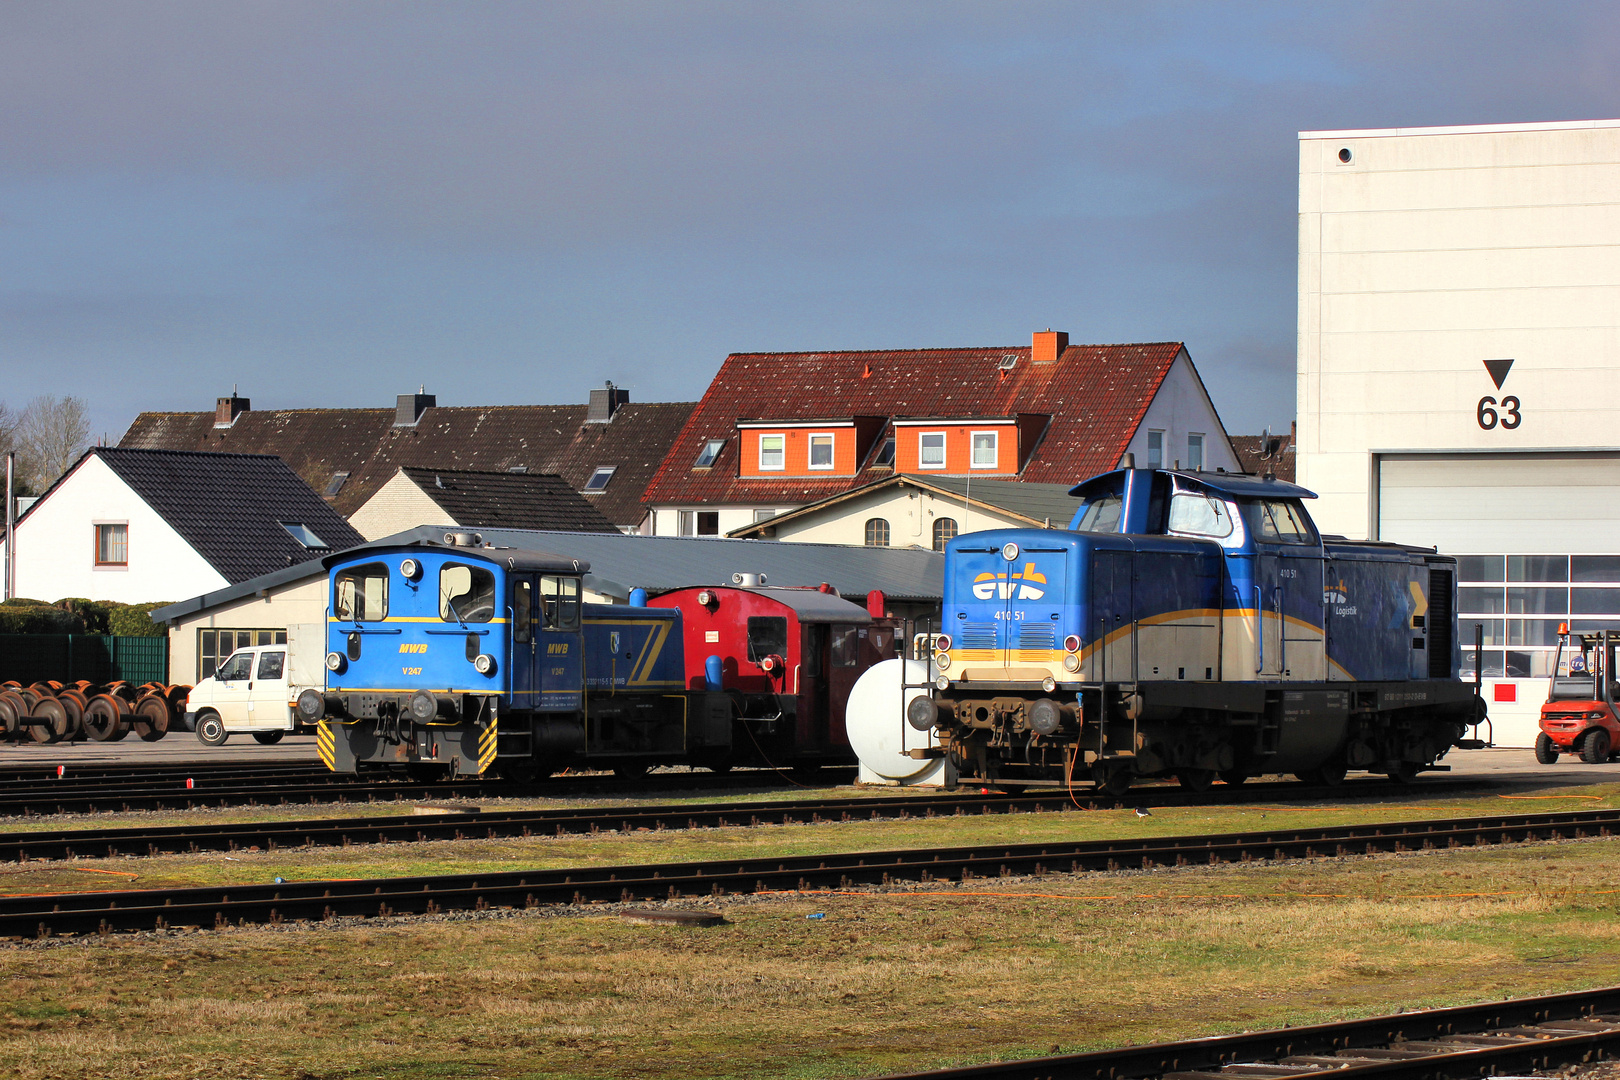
(787, 657)
(1580, 714)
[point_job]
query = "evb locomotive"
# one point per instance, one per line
(1194, 625)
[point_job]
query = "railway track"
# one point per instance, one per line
(1500, 1037)
(130, 910)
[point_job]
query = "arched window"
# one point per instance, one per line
(944, 532)
(877, 532)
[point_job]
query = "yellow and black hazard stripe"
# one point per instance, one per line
(325, 744)
(486, 746)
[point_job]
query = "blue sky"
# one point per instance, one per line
(328, 204)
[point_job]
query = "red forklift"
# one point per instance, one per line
(1579, 716)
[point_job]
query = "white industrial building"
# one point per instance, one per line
(1459, 363)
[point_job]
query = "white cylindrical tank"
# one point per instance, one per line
(875, 718)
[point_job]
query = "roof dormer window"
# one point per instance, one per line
(821, 451)
(772, 453)
(931, 449)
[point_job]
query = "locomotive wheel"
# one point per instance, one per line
(57, 726)
(1546, 750)
(1117, 782)
(1595, 747)
(1232, 778)
(211, 729)
(103, 718)
(1197, 780)
(152, 718)
(268, 738)
(11, 707)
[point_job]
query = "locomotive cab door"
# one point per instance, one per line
(1112, 617)
(559, 645)
(521, 611)
(1288, 587)
(844, 667)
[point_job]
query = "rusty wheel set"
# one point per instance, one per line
(50, 712)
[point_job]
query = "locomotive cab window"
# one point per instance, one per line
(1196, 514)
(1101, 513)
(522, 609)
(1280, 521)
(361, 593)
(466, 593)
(767, 636)
(846, 646)
(560, 599)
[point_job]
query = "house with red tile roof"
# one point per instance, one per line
(776, 431)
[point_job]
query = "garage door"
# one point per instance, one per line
(1501, 503)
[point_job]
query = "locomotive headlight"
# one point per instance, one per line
(1049, 684)
(410, 569)
(1071, 662)
(311, 704)
(942, 642)
(336, 661)
(922, 712)
(942, 660)
(942, 683)
(1071, 644)
(1009, 551)
(483, 663)
(706, 598)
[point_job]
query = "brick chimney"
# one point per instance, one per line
(410, 407)
(1048, 346)
(604, 403)
(227, 409)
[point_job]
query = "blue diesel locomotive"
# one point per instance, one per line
(1196, 625)
(470, 660)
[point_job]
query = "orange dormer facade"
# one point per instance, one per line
(773, 450)
(966, 446)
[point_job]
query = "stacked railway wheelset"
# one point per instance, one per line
(53, 712)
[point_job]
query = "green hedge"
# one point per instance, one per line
(76, 615)
(135, 620)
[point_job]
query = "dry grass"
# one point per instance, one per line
(884, 982)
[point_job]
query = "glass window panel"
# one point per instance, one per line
(600, 477)
(772, 452)
(1199, 515)
(1537, 632)
(1493, 665)
(522, 605)
(885, 454)
(244, 639)
(1593, 626)
(1479, 567)
(846, 647)
(1279, 522)
(877, 532)
(944, 532)
(1538, 568)
(1101, 513)
(984, 449)
(112, 544)
(1155, 450)
(466, 593)
(710, 451)
(932, 450)
(1594, 601)
(1595, 568)
(821, 451)
(1483, 601)
(272, 663)
(708, 523)
(1195, 452)
(688, 522)
(1527, 601)
(1518, 664)
(237, 668)
(281, 637)
(559, 598)
(767, 636)
(362, 593)
(1495, 630)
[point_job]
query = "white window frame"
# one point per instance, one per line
(781, 464)
(1152, 450)
(1195, 466)
(763, 515)
(995, 450)
(686, 523)
(944, 450)
(832, 451)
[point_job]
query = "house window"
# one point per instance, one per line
(599, 479)
(112, 545)
(303, 534)
(214, 646)
(772, 452)
(764, 515)
(984, 450)
(931, 450)
(821, 451)
(885, 454)
(877, 532)
(688, 523)
(1195, 452)
(1155, 450)
(700, 523)
(944, 532)
(710, 451)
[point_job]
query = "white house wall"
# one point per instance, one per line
(395, 507)
(910, 512)
(1180, 408)
(56, 546)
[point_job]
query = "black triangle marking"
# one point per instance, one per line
(1499, 371)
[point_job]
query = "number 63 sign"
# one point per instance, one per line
(1486, 412)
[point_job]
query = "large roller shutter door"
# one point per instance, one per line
(1507, 503)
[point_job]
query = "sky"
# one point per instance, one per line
(327, 204)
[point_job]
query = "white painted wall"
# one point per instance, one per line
(911, 514)
(667, 519)
(396, 506)
(56, 546)
(1179, 408)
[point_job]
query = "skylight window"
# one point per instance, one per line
(885, 454)
(599, 479)
(303, 534)
(336, 485)
(710, 451)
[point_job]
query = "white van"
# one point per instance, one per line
(254, 690)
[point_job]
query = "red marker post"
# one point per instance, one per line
(190, 783)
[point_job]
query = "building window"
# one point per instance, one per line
(215, 646)
(772, 452)
(1534, 593)
(710, 451)
(700, 523)
(1195, 452)
(885, 454)
(877, 532)
(599, 479)
(688, 523)
(944, 532)
(303, 534)
(931, 450)
(764, 515)
(984, 450)
(821, 451)
(112, 545)
(1155, 450)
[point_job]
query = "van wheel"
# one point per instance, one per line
(1546, 750)
(268, 738)
(1595, 747)
(211, 729)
